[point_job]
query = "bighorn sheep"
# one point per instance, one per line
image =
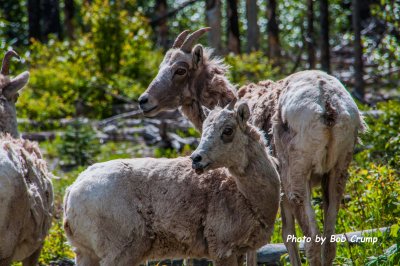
(26, 193)
(187, 74)
(190, 78)
(122, 212)
(312, 123)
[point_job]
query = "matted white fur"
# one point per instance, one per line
(26, 193)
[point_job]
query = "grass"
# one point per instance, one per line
(374, 203)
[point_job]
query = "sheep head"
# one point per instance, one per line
(9, 88)
(175, 76)
(223, 139)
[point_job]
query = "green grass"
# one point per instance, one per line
(374, 203)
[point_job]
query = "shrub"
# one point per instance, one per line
(251, 67)
(88, 76)
(79, 144)
(383, 136)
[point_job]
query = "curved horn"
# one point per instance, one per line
(192, 38)
(180, 39)
(16, 84)
(6, 61)
(231, 105)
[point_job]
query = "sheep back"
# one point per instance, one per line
(26, 194)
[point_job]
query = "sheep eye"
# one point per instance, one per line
(180, 71)
(227, 131)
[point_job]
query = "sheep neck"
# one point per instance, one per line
(8, 124)
(258, 180)
(208, 87)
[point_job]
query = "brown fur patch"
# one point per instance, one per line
(67, 228)
(330, 115)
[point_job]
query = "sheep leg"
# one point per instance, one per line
(32, 260)
(300, 199)
(288, 228)
(188, 262)
(333, 186)
(251, 258)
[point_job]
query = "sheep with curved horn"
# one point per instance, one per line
(26, 192)
(312, 124)
(195, 73)
(180, 39)
(192, 39)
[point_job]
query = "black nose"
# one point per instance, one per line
(196, 158)
(143, 99)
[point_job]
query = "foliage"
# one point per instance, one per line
(79, 144)
(56, 247)
(251, 67)
(389, 11)
(118, 150)
(391, 257)
(69, 78)
(13, 24)
(172, 153)
(383, 136)
(375, 194)
(385, 48)
(105, 21)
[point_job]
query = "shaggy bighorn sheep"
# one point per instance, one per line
(26, 193)
(124, 211)
(312, 123)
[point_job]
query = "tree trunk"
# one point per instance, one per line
(325, 56)
(51, 18)
(274, 49)
(233, 27)
(161, 10)
(69, 11)
(252, 26)
(34, 19)
(358, 61)
(310, 41)
(213, 19)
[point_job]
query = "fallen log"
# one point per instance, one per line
(39, 136)
(130, 114)
(270, 255)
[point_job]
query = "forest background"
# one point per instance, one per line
(90, 60)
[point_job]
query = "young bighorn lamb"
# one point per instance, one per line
(26, 193)
(122, 212)
(312, 123)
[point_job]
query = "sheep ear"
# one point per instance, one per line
(231, 104)
(15, 85)
(243, 114)
(197, 55)
(206, 111)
